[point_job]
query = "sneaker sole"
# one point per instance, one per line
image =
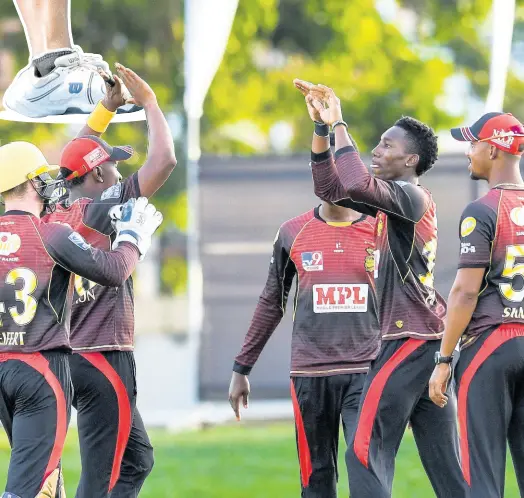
(72, 117)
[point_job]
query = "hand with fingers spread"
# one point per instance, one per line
(438, 384)
(115, 92)
(141, 93)
(239, 389)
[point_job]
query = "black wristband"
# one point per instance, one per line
(241, 369)
(321, 129)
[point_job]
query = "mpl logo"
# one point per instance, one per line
(9, 243)
(340, 298)
(312, 261)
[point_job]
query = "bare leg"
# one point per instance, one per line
(59, 24)
(46, 24)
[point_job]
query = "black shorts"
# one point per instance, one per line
(114, 446)
(35, 407)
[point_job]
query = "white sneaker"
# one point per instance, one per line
(73, 87)
(98, 62)
(95, 60)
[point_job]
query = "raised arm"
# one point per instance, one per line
(327, 184)
(348, 177)
(161, 158)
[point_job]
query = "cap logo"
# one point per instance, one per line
(503, 138)
(96, 157)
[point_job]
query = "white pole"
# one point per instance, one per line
(195, 297)
(207, 27)
(503, 12)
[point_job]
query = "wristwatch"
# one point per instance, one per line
(442, 359)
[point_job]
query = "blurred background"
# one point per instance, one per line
(223, 71)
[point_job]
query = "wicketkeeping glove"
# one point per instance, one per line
(135, 222)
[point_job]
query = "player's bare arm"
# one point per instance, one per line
(129, 88)
(461, 305)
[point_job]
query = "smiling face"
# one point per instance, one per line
(391, 159)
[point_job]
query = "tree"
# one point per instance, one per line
(457, 26)
(377, 74)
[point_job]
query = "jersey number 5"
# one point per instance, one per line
(29, 283)
(510, 271)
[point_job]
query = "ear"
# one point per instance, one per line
(98, 174)
(493, 152)
(413, 160)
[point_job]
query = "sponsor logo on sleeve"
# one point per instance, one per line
(467, 226)
(340, 298)
(79, 241)
(466, 248)
(312, 261)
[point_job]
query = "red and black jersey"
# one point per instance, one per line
(335, 325)
(492, 237)
(406, 241)
(102, 317)
(37, 260)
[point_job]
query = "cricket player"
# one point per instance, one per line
(485, 308)
(411, 311)
(36, 262)
(60, 78)
(335, 336)
(115, 449)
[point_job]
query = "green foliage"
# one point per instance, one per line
(347, 46)
(458, 25)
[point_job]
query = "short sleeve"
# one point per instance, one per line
(477, 231)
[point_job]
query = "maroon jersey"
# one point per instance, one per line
(335, 325)
(102, 317)
(406, 241)
(492, 237)
(36, 264)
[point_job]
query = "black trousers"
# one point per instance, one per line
(35, 407)
(320, 403)
(115, 450)
(490, 377)
(395, 393)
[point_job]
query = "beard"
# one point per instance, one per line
(474, 177)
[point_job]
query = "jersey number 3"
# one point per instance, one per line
(511, 270)
(29, 283)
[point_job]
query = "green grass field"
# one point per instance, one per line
(241, 461)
